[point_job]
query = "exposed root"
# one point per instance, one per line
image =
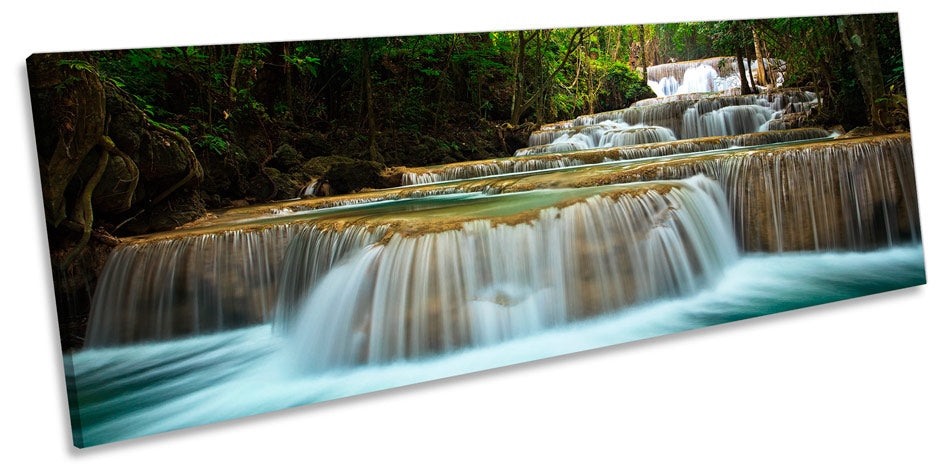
(82, 214)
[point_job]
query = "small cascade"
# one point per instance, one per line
(311, 254)
(486, 282)
(599, 135)
(692, 116)
(663, 147)
(730, 120)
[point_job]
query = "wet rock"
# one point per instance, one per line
(860, 131)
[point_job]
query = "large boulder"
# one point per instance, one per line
(286, 158)
(346, 177)
(313, 145)
(164, 158)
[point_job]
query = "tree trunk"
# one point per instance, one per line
(232, 84)
(368, 102)
(519, 102)
(517, 98)
(539, 114)
(760, 74)
(857, 33)
(743, 80)
(749, 52)
(643, 51)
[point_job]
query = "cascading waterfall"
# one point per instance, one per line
(700, 116)
(622, 152)
(847, 197)
(485, 283)
(679, 212)
(711, 75)
(169, 288)
(600, 135)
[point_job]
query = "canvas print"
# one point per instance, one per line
(242, 228)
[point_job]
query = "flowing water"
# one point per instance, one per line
(682, 212)
(139, 390)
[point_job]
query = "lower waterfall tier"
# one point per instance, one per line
(488, 282)
(219, 281)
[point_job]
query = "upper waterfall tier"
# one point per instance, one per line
(710, 75)
(688, 117)
(602, 135)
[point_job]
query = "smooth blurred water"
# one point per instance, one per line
(125, 392)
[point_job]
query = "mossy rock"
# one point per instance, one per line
(116, 188)
(313, 145)
(162, 156)
(286, 158)
(287, 185)
(347, 177)
(319, 166)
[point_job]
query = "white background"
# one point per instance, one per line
(857, 384)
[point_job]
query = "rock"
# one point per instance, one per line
(346, 177)
(174, 211)
(313, 145)
(116, 189)
(69, 120)
(286, 158)
(860, 131)
(287, 186)
(164, 158)
(319, 166)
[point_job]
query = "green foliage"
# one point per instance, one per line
(212, 143)
(439, 84)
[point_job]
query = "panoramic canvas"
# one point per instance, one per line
(242, 228)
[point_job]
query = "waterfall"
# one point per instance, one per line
(687, 210)
(685, 117)
(855, 196)
(485, 282)
(710, 75)
(169, 288)
(600, 135)
(617, 150)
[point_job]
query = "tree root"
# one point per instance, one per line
(82, 214)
